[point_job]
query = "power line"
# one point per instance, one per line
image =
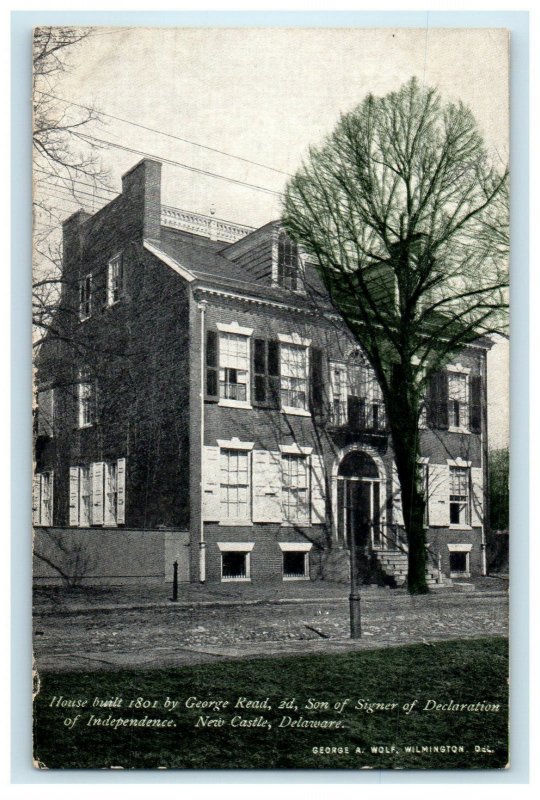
(76, 192)
(67, 180)
(104, 143)
(165, 133)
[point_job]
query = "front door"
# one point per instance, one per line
(359, 512)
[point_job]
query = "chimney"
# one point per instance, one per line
(141, 188)
(73, 241)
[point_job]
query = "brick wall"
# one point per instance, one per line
(109, 555)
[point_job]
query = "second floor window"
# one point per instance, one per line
(233, 366)
(115, 280)
(458, 400)
(85, 297)
(294, 376)
(86, 403)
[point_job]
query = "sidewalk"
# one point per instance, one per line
(61, 600)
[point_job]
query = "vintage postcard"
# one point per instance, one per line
(270, 491)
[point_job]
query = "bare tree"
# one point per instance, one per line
(406, 220)
(64, 168)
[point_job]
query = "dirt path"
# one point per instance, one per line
(172, 636)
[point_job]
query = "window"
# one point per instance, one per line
(460, 560)
(97, 494)
(235, 560)
(85, 297)
(287, 266)
(459, 496)
(111, 494)
(234, 485)
(45, 413)
(86, 393)
(294, 373)
(234, 566)
(339, 387)
(295, 486)
(115, 280)
(458, 400)
(295, 565)
(42, 501)
(356, 396)
(233, 367)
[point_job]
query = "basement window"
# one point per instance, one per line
(295, 566)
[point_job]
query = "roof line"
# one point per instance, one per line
(167, 259)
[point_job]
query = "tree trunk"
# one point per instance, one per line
(403, 420)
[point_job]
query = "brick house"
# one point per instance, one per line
(199, 407)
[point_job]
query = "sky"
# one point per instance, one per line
(265, 95)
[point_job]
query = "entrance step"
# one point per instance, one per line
(395, 565)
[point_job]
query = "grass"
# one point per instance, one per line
(465, 671)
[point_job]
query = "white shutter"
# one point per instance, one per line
(97, 493)
(397, 506)
(121, 491)
(439, 494)
(318, 490)
(74, 496)
(266, 486)
(36, 497)
(211, 481)
(477, 496)
(50, 511)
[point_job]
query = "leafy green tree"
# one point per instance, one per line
(406, 220)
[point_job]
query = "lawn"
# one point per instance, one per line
(338, 711)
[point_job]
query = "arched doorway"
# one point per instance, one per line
(359, 502)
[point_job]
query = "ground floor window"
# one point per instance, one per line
(295, 565)
(42, 502)
(459, 496)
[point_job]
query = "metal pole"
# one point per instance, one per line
(354, 597)
(175, 582)
(202, 544)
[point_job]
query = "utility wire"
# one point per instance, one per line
(104, 143)
(165, 133)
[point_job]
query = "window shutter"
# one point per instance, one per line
(475, 407)
(437, 400)
(260, 372)
(36, 499)
(266, 486)
(212, 366)
(97, 492)
(318, 490)
(397, 505)
(439, 494)
(121, 491)
(45, 412)
(49, 516)
(317, 379)
(477, 497)
(211, 477)
(74, 496)
(274, 394)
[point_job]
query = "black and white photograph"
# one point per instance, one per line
(270, 310)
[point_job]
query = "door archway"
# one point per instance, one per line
(360, 493)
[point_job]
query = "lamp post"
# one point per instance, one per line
(354, 597)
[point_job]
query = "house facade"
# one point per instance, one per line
(200, 408)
